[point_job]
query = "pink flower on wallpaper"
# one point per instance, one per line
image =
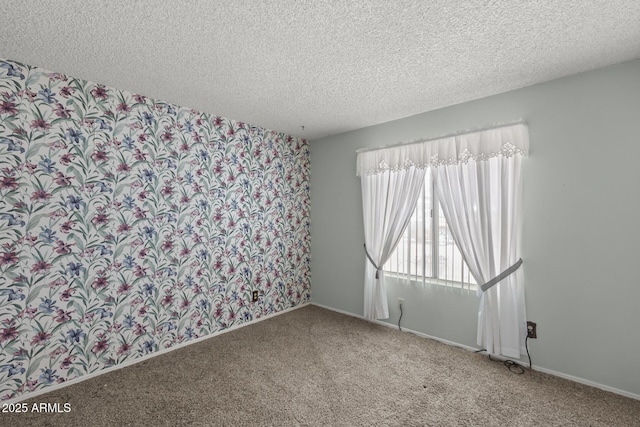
(62, 112)
(124, 348)
(99, 156)
(40, 196)
(8, 108)
(67, 226)
(123, 108)
(99, 92)
(99, 283)
(40, 267)
(124, 228)
(124, 288)
(67, 294)
(100, 219)
(62, 316)
(167, 245)
(40, 124)
(66, 158)
(10, 333)
(8, 258)
(100, 346)
(41, 338)
(123, 167)
(167, 136)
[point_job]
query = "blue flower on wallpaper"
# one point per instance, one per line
(74, 202)
(149, 346)
(148, 289)
(74, 269)
(47, 376)
(128, 225)
(104, 313)
(47, 306)
(104, 250)
(128, 142)
(74, 136)
(128, 202)
(128, 261)
(47, 96)
(147, 118)
(12, 220)
(75, 335)
(104, 188)
(47, 166)
(149, 232)
(11, 145)
(12, 369)
(203, 205)
(12, 70)
(129, 321)
(47, 235)
(12, 294)
(103, 125)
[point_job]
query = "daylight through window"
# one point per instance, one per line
(427, 250)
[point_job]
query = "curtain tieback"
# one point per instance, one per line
(372, 262)
(500, 276)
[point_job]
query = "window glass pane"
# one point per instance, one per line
(451, 264)
(414, 254)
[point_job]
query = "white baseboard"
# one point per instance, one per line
(466, 347)
(131, 362)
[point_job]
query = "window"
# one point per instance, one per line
(427, 249)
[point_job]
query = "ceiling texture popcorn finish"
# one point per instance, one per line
(330, 66)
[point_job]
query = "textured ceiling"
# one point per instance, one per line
(330, 66)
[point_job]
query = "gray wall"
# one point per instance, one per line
(581, 230)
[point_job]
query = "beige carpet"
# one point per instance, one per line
(316, 367)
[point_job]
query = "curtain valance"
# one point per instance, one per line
(481, 145)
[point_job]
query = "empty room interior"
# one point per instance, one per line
(319, 213)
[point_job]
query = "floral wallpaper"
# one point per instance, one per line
(129, 225)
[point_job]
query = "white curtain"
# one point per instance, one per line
(481, 202)
(388, 199)
(478, 181)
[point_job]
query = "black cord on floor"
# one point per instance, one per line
(399, 328)
(514, 367)
(526, 345)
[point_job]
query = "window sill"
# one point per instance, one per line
(417, 281)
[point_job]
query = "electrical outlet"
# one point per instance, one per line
(254, 296)
(532, 330)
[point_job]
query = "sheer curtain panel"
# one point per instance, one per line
(481, 199)
(388, 200)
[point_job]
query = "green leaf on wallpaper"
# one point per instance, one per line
(118, 129)
(34, 293)
(34, 149)
(119, 311)
(119, 251)
(34, 365)
(119, 189)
